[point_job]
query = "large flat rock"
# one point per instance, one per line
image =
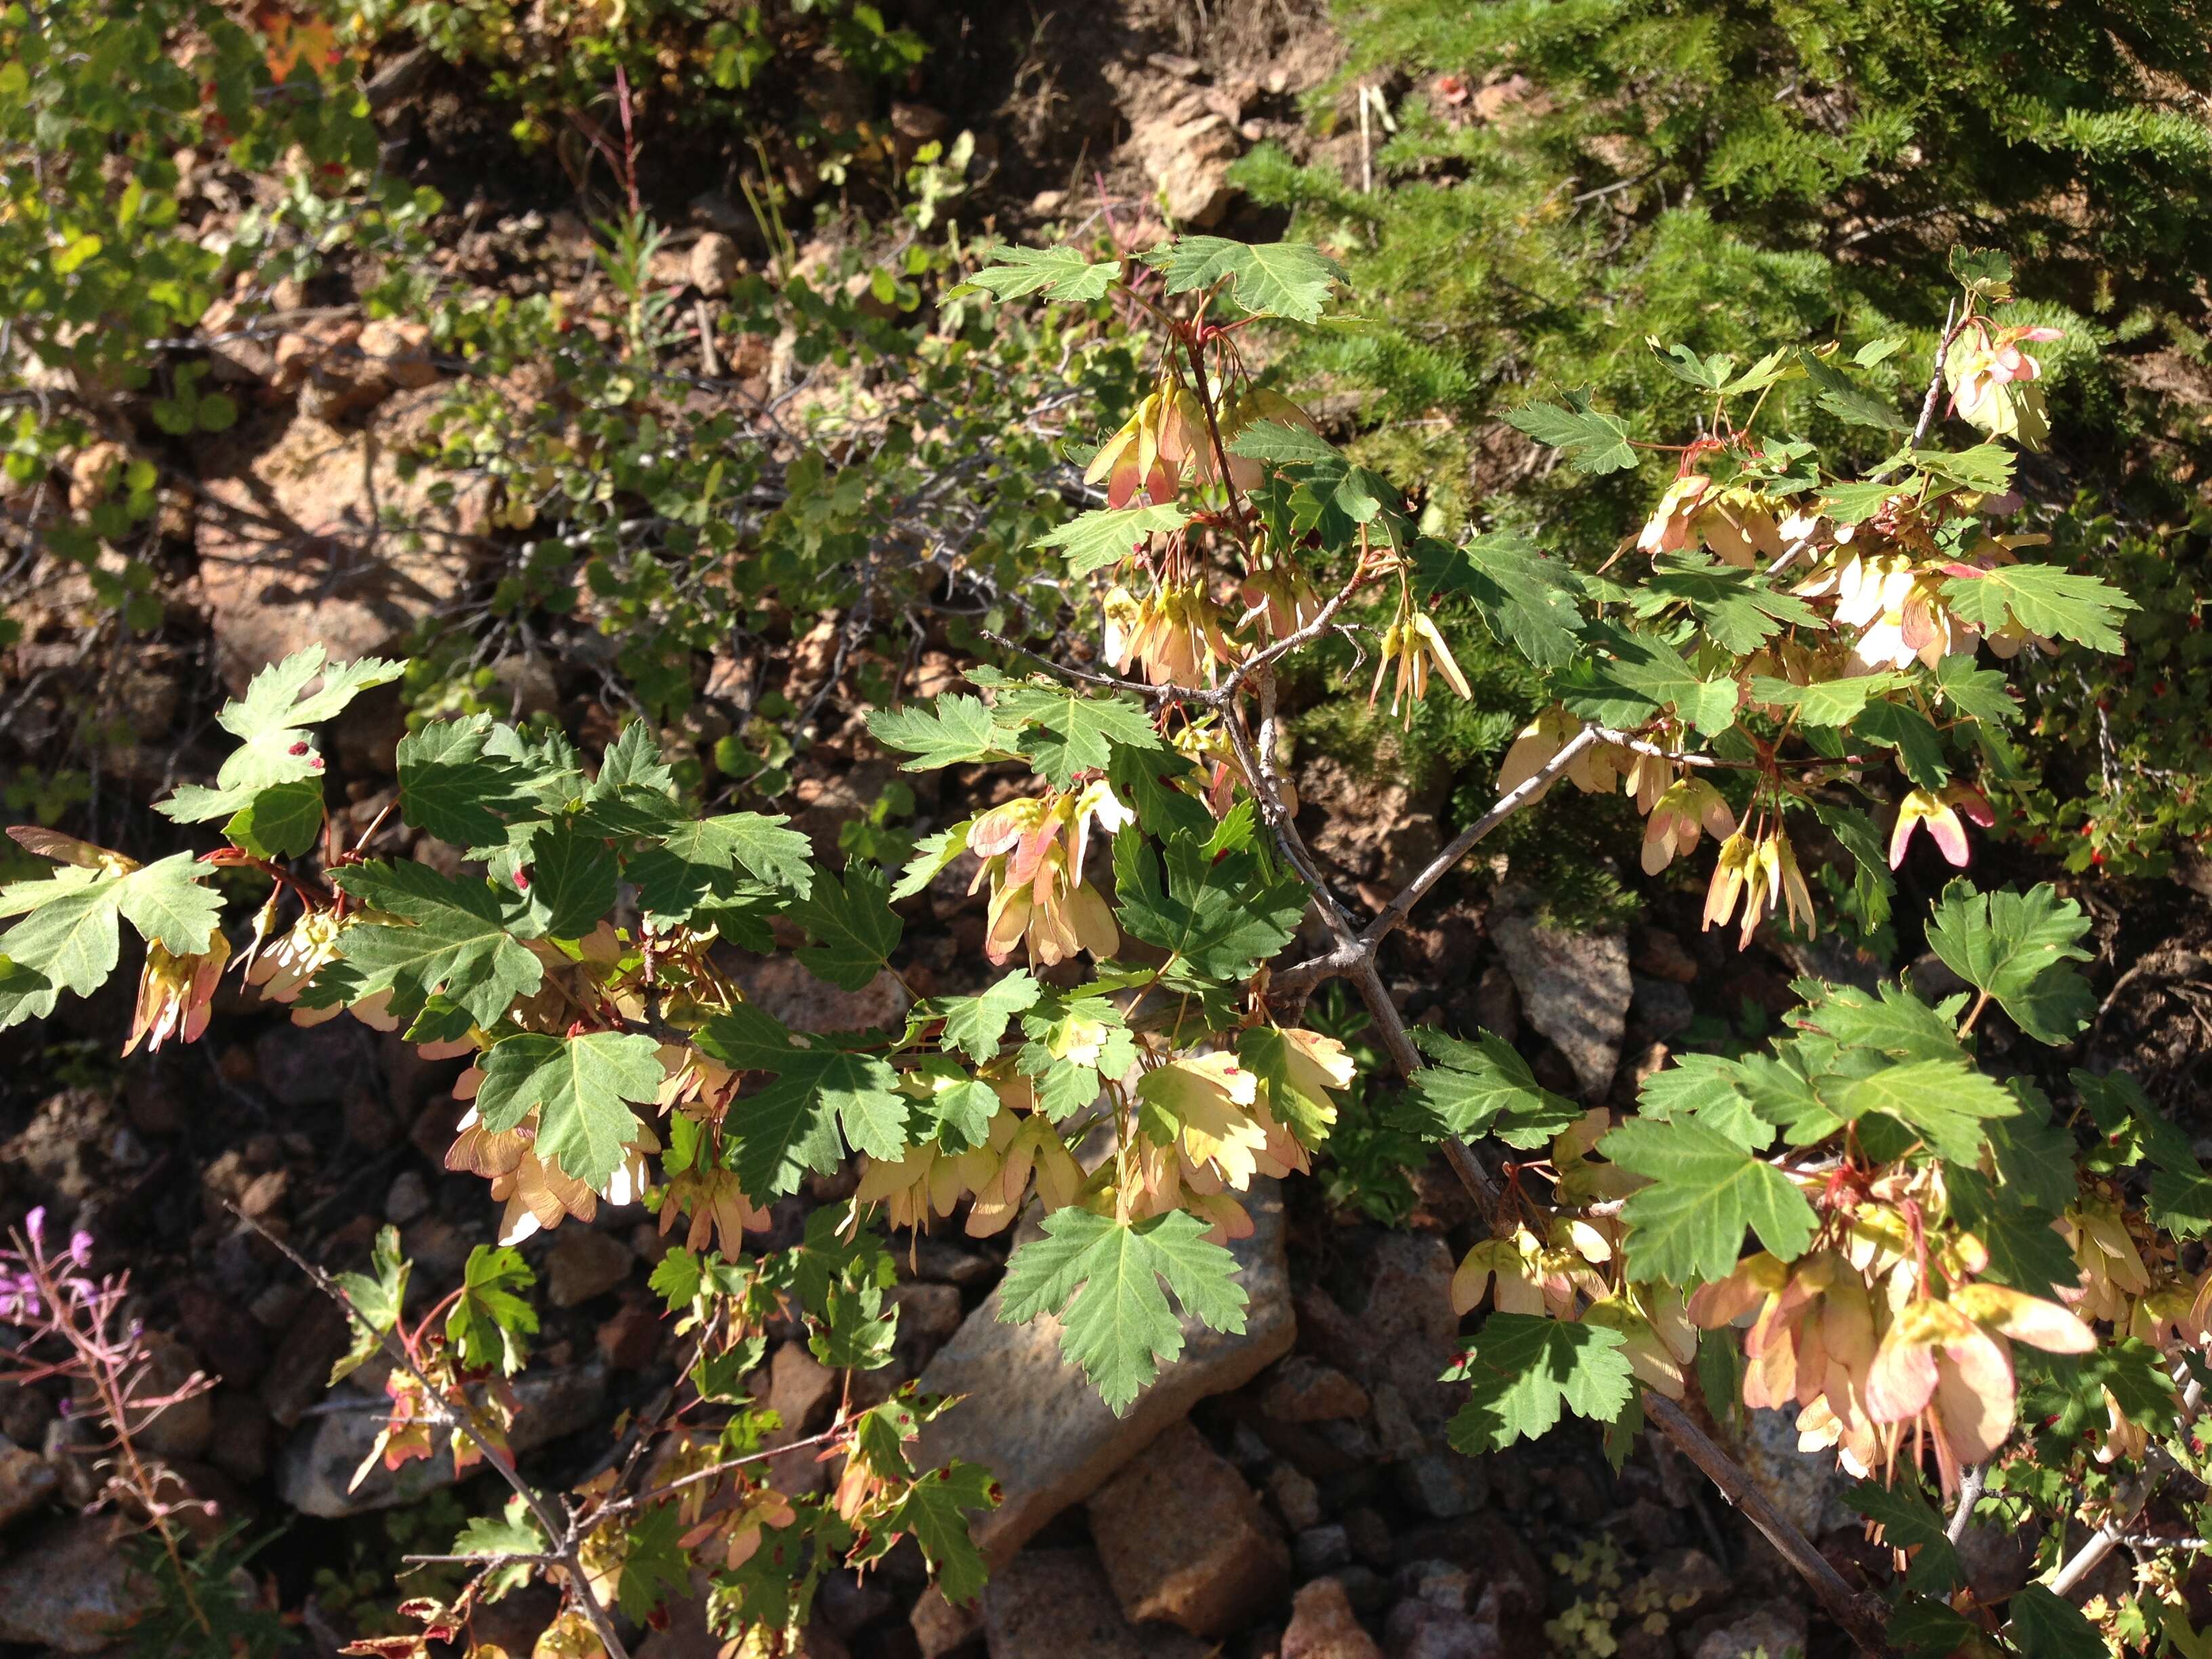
(1056, 1604)
(1575, 987)
(1040, 1427)
(317, 1464)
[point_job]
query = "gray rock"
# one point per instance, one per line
(1575, 987)
(714, 264)
(939, 1627)
(1323, 1549)
(945, 1262)
(1408, 1333)
(1806, 1486)
(26, 1480)
(781, 986)
(1776, 1630)
(1056, 1604)
(1303, 1390)
(1185, 1541)
(1441, 1484)
(1397, 1434)
(407, 1198)
(1423, 1630)
(316, 1465)
(72, 1591)
(314, 1064)
(1370, 1535)
(1663, 1008)
(182, 1429)
(1440, 1582)
(583, 1264)
(1297, 1500)
(1661, 955)
(1323, 1626)
(1038, 1424)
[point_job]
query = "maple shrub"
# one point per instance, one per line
(1970, 1297)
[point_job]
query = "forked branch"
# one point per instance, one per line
(565, 1535)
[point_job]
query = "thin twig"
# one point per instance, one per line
(1863, 1617)
(638, 1500)
(1302, 978)
(560, 1531)
(1976, 1477)
(2131, 1505)
(1951, 331)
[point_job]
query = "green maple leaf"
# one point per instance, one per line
(1854, 503)
(1872, 884)
(932, 853)
(572, 880)
(1911, 1524)
(1901, 726)
(515, 1532)
(1069, 732)
(1265, 1052)
(166, 901)
(2044, 1625)
(1638, 673)
(1947, 1101)
(2059, 604)
(1736, 608)
(695, 865)
(655, 1564)
(633, 761)
(2026, 1251)
(450, 787)
(1322, 489)
(1522, 1370)
(488, 1324)
(1888, 1018)
(450, 936)
(1686, 1228)
(934, 1509)
(2015, 947)
(1710, 1089)
(1923, 1625)
(1223, 913)
(1981, 694)
(963, 1110)
(270, 722)
(1593, 441)
(975, 1025)
(1058, 273)
(961, 729)
(1103, 1278)
(280, 822)
(1985, 468)
(1483, 1087)
(24, 993)
(69, 939)
(375, 1299)
(1091, 541)
(1847, 400)
(853, 921)
(1824, 702)
(790, 1126)
(1522, 594)
(1268, 279)
(2181, 1202)
(580, 1087)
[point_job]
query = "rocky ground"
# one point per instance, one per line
(1286, 1493)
